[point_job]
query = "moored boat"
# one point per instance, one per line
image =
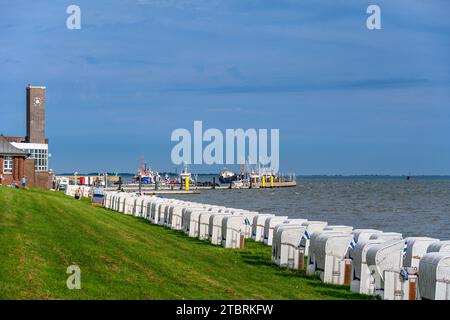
(227, 176)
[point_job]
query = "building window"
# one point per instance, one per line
(38, 152)
(8, 164)
(40, 157)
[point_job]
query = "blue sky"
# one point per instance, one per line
(347, 100)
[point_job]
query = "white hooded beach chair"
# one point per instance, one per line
(203, 224)
(191, 221)
(364, 234)
(215, 227)
(159, 212)
(290, 222)
(233, 232)
(295, 221)
(186, 214)
(391, 281)
(220, 209)
(416, 248)
(168, 212)
(311, 228)
(434, 281)
(108, 199)
(163, 211)
(361, 280)
(249, 219)
(139, 206)
(112, 200)
(147, 206)
(286, 250)
(154, 210)
(174, 215)
(115, 201)
(269, 226)
(386, 236)
(215, 208)
(121, 202)
(328, 257)
(130, 204)
(137, 212)
(258, 226)
(439, 246)
(248, 223)
(340, 228)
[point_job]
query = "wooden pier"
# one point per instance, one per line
(165, 190)
(151, 190)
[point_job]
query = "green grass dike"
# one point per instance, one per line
(124, 257)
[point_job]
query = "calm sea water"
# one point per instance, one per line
(414, 208)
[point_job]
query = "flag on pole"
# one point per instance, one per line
(307, 235)
(352, 244)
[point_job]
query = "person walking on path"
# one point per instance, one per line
(24, 182)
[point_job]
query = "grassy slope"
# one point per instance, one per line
(123, 257)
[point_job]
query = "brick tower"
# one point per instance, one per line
(35, 114)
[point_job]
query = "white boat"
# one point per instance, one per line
(227, 176)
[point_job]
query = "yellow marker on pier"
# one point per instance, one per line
(186, 181)
(263, 181)
(271, 181)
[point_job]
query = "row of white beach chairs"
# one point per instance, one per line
(369, 261)
(228, 227)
